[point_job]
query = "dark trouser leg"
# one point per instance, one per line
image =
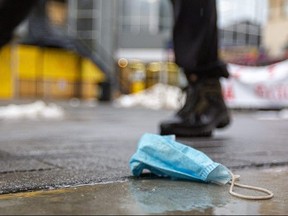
(12, 12)
(195, 39)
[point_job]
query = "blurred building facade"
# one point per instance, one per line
(276, 29)
(140, 32)
(104, 30)
(142, 29)
(242, 33)
(109, 30)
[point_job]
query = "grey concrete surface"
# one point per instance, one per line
(153, 196)
(93, 144)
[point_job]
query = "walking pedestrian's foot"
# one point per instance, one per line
(203, 112)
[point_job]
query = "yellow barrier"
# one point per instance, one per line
(173, 73)
(135, 76)
(47, 72)
(29, 60)
(153, 73)
(6, 80)
(60, 64)
(29, 70)
(59, 89)
(90, 72)
(60, 73)
(168, 69)
(91, 75)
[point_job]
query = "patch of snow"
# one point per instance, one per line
(159, 96)
(33, 111)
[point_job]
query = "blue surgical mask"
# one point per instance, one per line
(165, 157)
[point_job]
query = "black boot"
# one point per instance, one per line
(203, 111)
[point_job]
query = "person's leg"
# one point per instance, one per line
(12, 12)
(195, 38)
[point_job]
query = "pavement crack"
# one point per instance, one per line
(48, 163)
(24, 171)
(260, 165)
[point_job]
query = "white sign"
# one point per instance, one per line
(257, 87)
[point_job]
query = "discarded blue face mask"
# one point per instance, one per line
(165, 157)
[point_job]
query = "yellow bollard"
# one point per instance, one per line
(137, 76)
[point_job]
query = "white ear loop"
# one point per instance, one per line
(233, 183)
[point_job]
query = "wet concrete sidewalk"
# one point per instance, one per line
(153, 196)
(93, 145)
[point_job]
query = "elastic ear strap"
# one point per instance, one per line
(232, 182)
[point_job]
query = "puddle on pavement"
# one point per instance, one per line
(154, 196)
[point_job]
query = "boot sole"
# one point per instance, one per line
(224, 122)
(206, 131)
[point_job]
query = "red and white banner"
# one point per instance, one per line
(257, 87)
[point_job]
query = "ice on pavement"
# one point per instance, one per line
(159, 96)
(33, 111)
